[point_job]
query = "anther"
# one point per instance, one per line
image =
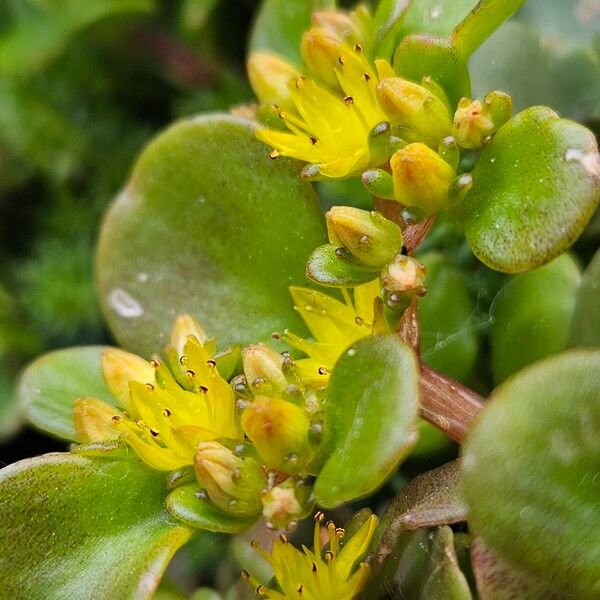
(322, 370)
(358, 320)
(149, 386)
(340, 532)
(314, 567)
(166, 412)
(329, 555)
(348, 99)
(254, 544)
(204, 388)
(313, 140)
(154, 433)
(299, 590)
(154, 363)
(116, 418)
(358, 47)
(366, 77)
(283, 539)
(341, 60)
(189, 373)
(140, 424)
(319, 516)
(281, 115)
(211, 363)
(183, 360)
(260, 590)
(245, 575)
(273, 154)
(276, 335)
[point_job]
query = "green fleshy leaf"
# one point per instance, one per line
(497, 580)
(585, 327)
(75, 527)
(193, 235)
(530, 471)
(325, 268)
(41, 31)
(444, 579)
(279, 26)
(532, 316)
(370, 418)
(50, 384)
(396, 19)
(539, 175)
(183, 504)
(420, 56)
(449, 338)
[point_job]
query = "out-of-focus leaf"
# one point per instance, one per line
(444, 579)
(448, 318)
(585, 328)
(497, 580)
(370, 418)
(532, 316)
(220, 240)
(184, 504)
(530, 472)
(535, 188)
(41, 30)
(76, 527)
(279, 26)
(49, 385)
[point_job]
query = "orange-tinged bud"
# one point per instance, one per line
(321, 54)
(368, 236)
(118, 369)
(94, 420)
(186, 326)
(422, 179)
(269, 77)
(279, 431)
(402, 279)
(410, 105)
(472, 124)
(233, 483)
(263, 367)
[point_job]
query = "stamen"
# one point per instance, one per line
(154, 433)
(116, 418)
(276, 335)
(149, 386)
(255, 544)
(348, 99)
(166, 412)
(329, 555)
(358, 320)
(313, 140)
(189, 373)
(261, 590)
(314, 567)
(299, 590)
(281, 115)
(322, 370)
(204, 388)
(183, 360)
(211, 363)
(154, 363)
(366, 76)
(358, 47)
(283, 539)
(245, 575)
(319, 516)
(341, 60)
(274, 154)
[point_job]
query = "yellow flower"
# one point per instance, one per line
(328, 574)
(330, 122)
(335, 326)
(168, 408)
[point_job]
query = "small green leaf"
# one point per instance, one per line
(532, 316)
(449, 337)
(498, 580)
(76, 527)
(49, 385)
(530, 472)
(585, 328)
(221, 240)
(184, 504)
(325, 268)
(444, 579)
(370, 418)
(535, 188)
(279, 26)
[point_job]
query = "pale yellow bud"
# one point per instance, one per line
(321, 54)
(269, 77)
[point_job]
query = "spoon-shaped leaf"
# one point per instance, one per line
(208, 225)
(585, 328)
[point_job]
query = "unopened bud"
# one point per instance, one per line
(412, 106)
(94, 420)
(234, 484)
(286, 504)
(422, 178)
(269, 77)
(321, 54)
(371, 238)
(186, 326)
(279, 431)
(472, 124)
(119, 368)
(402, 279)
(342, 24)
(264, 367)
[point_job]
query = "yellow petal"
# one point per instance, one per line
(186, 326)
(118, 369)
(355, 548)
(93, 420)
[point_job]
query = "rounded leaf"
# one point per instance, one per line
(50, 384)
(76, 527)
(370, 418)
(530, 472)
(208, 225)
(535, 188)
(585, 328)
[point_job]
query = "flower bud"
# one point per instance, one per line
(93, 420)
(286, 504)
(421, 178)
(118, 369)
(269, 77)
(320, 50)
(186, 326)
(346, 26)
(234, 484)
(263, 367)
(368, 236)
(472, 124)
(402, 279)
(279, 431)
(411, 105)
